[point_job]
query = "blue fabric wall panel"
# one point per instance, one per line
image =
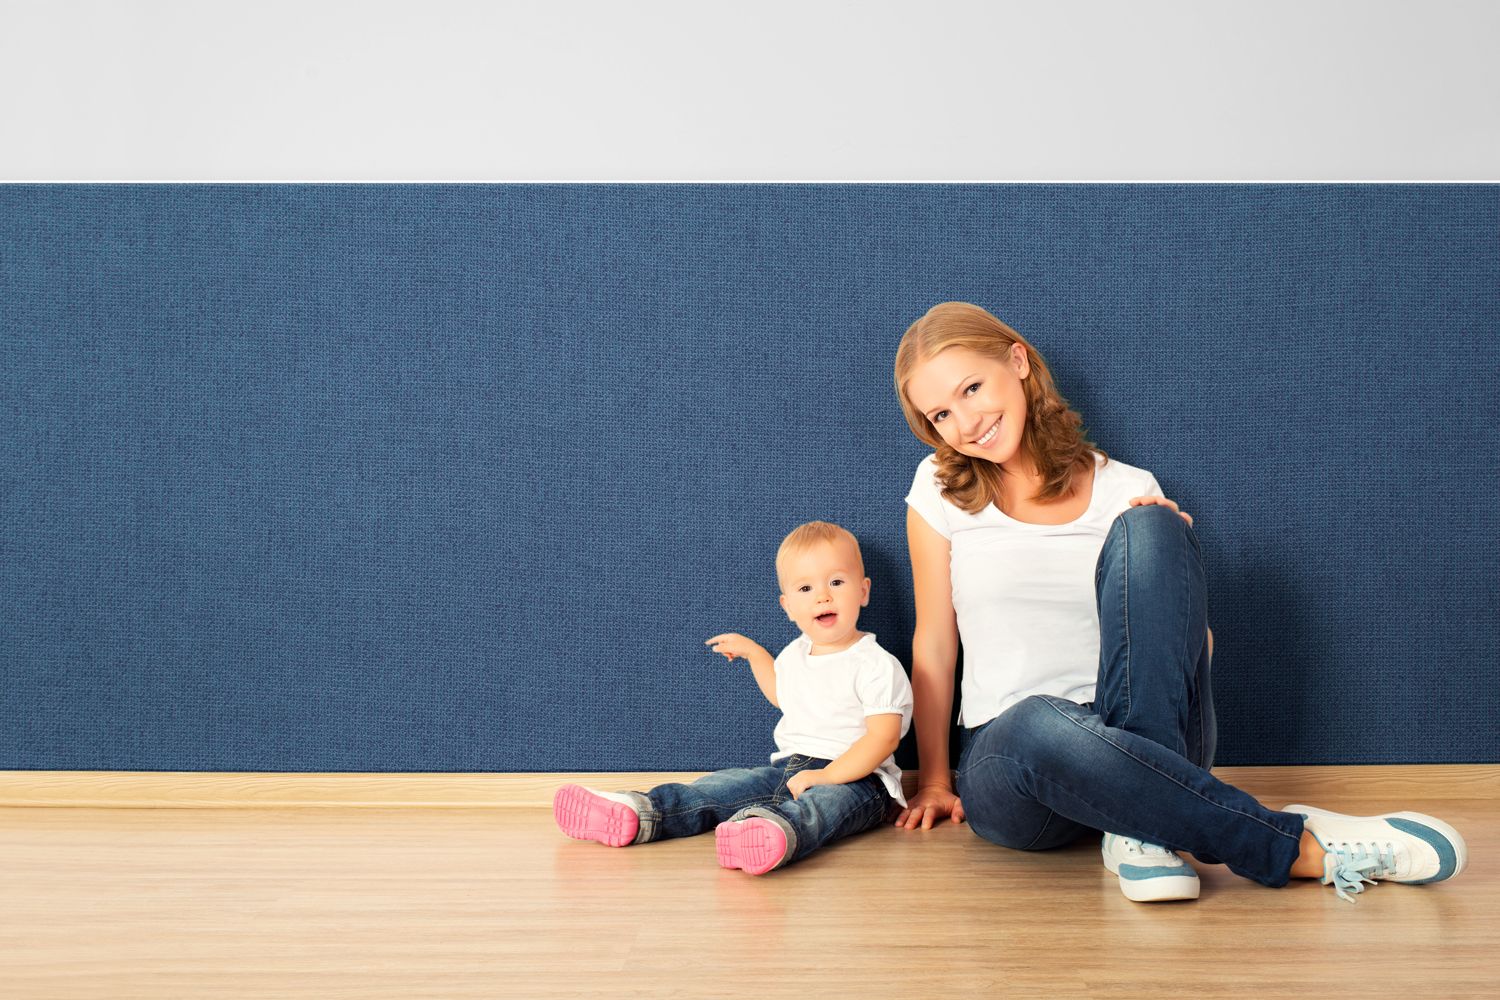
(373, 477)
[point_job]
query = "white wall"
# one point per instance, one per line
(558, 90)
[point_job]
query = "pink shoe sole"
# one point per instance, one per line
(756, 844)
(583, 815)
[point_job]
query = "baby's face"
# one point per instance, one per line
(822, 590)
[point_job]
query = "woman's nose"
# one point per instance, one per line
(968, 423)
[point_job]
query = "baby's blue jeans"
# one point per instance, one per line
(819, 816)
(1135, 760)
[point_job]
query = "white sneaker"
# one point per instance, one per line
(1148, 873)
(1405, 847)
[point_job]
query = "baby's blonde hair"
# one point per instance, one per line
(805, 536)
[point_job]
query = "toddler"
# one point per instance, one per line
(845, 705)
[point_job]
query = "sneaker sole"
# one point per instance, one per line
(1156, 888)
(757, 845)
(583, 815)
(1432, 823)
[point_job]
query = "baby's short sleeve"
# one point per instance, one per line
(926, 498)
(883, 688)
(784, 657)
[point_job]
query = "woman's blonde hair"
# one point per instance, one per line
(1053, 435)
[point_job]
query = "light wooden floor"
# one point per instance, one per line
(425, 902)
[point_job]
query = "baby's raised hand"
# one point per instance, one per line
(735, 646)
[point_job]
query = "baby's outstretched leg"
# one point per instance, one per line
(686, 810)
(670, 810)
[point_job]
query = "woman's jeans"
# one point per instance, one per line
(820, 815)
(1135, 760)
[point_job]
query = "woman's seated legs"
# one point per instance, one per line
(1047, 755)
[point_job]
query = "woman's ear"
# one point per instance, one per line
(1020, 363)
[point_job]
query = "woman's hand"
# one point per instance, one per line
(929, 805)
(1143, 501)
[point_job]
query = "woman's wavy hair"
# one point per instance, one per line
(1053, 435)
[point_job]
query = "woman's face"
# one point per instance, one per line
(974, 402)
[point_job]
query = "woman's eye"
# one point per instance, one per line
(970, 389)
(939, 415)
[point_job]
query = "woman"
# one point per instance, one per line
(1086, 704)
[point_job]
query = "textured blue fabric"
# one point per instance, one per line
(395, 477)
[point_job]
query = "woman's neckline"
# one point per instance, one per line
(1093, 494)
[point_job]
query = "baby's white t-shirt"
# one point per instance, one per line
(824, 700)
(1024, 593)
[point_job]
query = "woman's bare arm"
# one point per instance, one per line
(934, 657)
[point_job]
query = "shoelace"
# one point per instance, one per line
(1349, 866)
(1134, 846)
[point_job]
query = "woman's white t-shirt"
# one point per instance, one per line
(824, 700)
(1024, 593)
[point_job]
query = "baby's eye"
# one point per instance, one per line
(837, 582)
(803, 589)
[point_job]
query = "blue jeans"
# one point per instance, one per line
(1136, 760)
(821, 815)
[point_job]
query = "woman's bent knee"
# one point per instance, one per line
(1151, 517)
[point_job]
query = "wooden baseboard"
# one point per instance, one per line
(1399, 785)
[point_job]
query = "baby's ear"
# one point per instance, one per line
(865, 601)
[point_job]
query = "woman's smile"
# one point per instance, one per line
(985, 439)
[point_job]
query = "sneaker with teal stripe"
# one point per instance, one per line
(1405, 847)
(1149, 873)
